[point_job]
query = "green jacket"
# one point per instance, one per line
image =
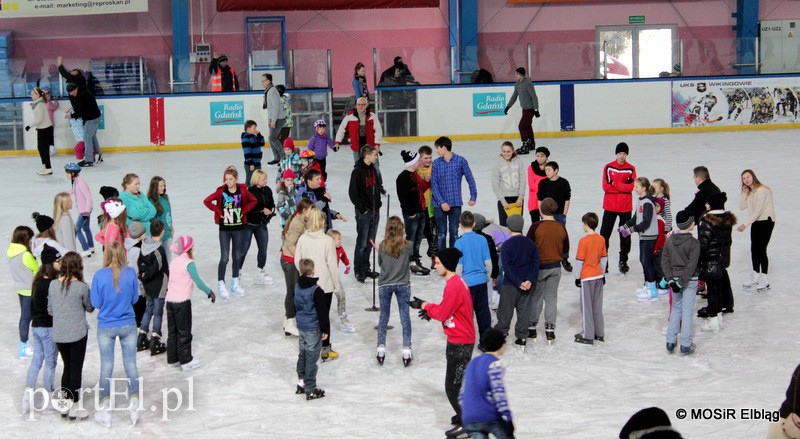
(23, 266)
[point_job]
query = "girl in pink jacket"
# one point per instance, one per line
(83, 201)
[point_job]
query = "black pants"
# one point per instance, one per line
(282, 135)
(760, 234)
(430, 234)
(458, 356)
(720, 294)
(73, 354)
(322, 165)
(290, 274)
(327, 311)
(44, 138)
(535, 216)
(139, 309)
(501, 213)
(526, 126)
(179, 325)
(609, 219)
(480, 305)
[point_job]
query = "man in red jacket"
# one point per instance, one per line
(618, 178)
(455, 313)
(364, 128)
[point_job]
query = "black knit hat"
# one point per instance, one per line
(222, 58)
(622, 147)
(543, 150)
(684, 219)
(409, 157)
(492, 340)
(645, 419)
(43, 222)
(717, 201)
(49, 255)
(521, 70)
(108, 192)
(449, 257)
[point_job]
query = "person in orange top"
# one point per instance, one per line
(592, 258)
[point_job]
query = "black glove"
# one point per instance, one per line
(629, 180)
(604, 280)
(536, 113)
(416, 303)
(510, 428)
(212, 297)
(675, 286)
(424, 315)
(336, 148)
(27, 127)
(578, 283)
(506, 110)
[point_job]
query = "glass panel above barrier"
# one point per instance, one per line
(421, 65)
(716, 56)
(307, 107)
(308, 68)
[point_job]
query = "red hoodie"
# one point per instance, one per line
(618, 187)
(455, 312)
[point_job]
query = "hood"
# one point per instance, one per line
(15, 250)
(150, 245)
(306, 281)
(681, 237)
(361, 164)
(720, 218)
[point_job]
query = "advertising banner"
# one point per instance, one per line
(47, 8)
(488, 104)
(749, 101)
(227, 113)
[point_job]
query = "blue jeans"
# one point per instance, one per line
(366, 229)
(447, 223)
(225, 239)
(481, 430)
(83, 231)
(262, 239)
(24, 317)
(680, 318)
(415, 231)
(90, 128)
(154, 309)
(403, 294)
(106, 338)
(248, 173)
(44, 351)
(310, 347)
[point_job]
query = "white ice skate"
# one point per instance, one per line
(222, 290)
(135, 410)
(103, 414)
(344, 324)
(262, 278)
(236, 288)
(753, 281)
(763, 283)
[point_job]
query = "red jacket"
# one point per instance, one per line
(455, 312)
(214, 202)
(535, 175)
(662, 237)
(351, 124)
(618, 186)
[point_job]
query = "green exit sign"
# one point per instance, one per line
(636, 19)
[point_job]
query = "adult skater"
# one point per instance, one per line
(446, 176)
(530, 108)
(364, 191)
(618, 178)
(276, 117)
(756, 198)
(705, 188)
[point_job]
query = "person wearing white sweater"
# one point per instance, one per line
(756, 198)
(508, 181)
(44, 129)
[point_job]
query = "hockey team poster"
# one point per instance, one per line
(735, 102)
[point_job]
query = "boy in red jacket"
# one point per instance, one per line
(618, 178)
(455, 313)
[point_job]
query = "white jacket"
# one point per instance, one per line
(321, 249)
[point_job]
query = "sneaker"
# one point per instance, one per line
(567, 266)
(222, 290)
(236, 288)
(78, 413)
(623, 267)
(135, 410)
(194, 364)
(380, 354)
(579, 339)
(45, 171)
(407, 357)
(103, 414)
(301, 388)
(263, 278)
(344, 324)
(328, 354)
(315, 394)
(670, 348)
(687, 350)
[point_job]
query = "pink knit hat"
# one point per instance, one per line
(182, 244)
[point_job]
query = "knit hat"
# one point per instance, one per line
(136, 229)
(622, 147)
(289, 174)
(543, 150)
(521, 70)
(71, 86)
(480, 222)
(662, 203)
(182, 244)
(222, 58)
(113, 208)
(548, 206)
(449, 257)
(644, 419)
(410, 158)
(43, 222)
(289, 143)
(717, 201)
(515, 223)
(684, 219)
(49, 255)
(108, 192)
(492, 340)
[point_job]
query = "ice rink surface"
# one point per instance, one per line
(246, 383)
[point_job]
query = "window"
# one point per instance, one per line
(635, 51)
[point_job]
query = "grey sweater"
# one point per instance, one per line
(527, 95)
(394, 271)
(69, 311)
(65, 232)
(680, 257)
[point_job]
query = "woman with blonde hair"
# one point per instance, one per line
(756, 198)
(257, 221)
(393, 258)
(114, 291)
(314, 244)
(65, 227)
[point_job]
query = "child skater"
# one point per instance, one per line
(286, 202)
(45, 351)
(592, 259)
(47, 235)
(157, 194)
(679, 262)
(394, 259)
(252, 142)
(341, 301)
(314, 327)
(23, 267)
(660, 191)
(644, 222)
(64, 226)
(115, 218)
(153, 269)
(291, 161)
(83, 200)
(183, 277)
(319, 144)
(106, 192)
(661, 239)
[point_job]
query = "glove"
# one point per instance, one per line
(629, 180)
(347, 270)
(624, 231)
(212, 297)
(511, 428)
(675, 286)
(506, 111)
(27, 127)
(424, 315)
(604, 280)
(336, 148)
(578, 283)
(536, 113)
(416, 303)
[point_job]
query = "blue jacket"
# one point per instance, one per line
(165, 217)
(520, 261)
(115, 305)
(483, 395)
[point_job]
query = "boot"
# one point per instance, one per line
(328, 353)
(407, 357)
(290, 328)
(24, 352)
(222, 290)
(236, 288)
(156, 346)
(142, 344)
(550, 332)
(763, 282)
(712, 324)
(753, 281)
(650, 294)
(380, 354)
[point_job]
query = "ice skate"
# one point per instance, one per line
(87, 253)
(344, 324)
(521, 344)
(407, 357)
(579, 339)
(763, 283)
(315, 394)
(712, 324)
(670, 348)
(600, 338)
(567, 266)
(45, 171)
(236, 288)
(103, 414)
(753, 281)
(134, 410)
(650, 294)
(222, 290)
(380, 354)
(550, 333)
(142, 344)
(328, 354)
(301, 388)
(156, 346)
(290, 328)
(194, 364)
(687, 350)
(27, 399)
(262, 278)
(457, 431)
(532, 333)
(77, 413)
(25, 352)
(623, 267)
(417, 268)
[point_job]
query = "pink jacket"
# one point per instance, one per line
(109, 234)
(181, 285)
(83, 197)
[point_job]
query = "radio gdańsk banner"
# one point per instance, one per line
(46, 8)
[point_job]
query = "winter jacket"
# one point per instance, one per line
(408, 193)
(291, 236)
(40, 118)
(758, 204)
(40, 318)
(109, 234)
(618, 186)
(341, 255)
(69, 309)
(309, 300)
(643, 221)
(264, 200)
(508, 178)
(83, 197)
(23, 267)
(425, 187)
(321, 249)
(715, 239)
(153, 268)
(52, 106)
(65, 232)
(291, 161)
(286, 202)
(351, 123)
(165, 217)
(182, 279)
(527, 95)
(483, 395)
(320, 144)
(394, 270)
(698, 204)
(84, 105)
(115, 302)
(272, 103)
(680, 257)
(360, 89)
(236, 211)
(535, 175)
(251, 148)
(365, 187)
(286, 104)
(455, 312)
(139, 208)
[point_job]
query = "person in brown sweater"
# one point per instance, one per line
(550, 237)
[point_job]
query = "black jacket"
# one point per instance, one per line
(698, 204)
(264, 200)
(492, 254)
(229, 80)
(365, 187)
(40, 318)
(714, 235)
(84, 105)
(408, 193)
(69, 77)
(153, 268)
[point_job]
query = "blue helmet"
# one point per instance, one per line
(74, 167)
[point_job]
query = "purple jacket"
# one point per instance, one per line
(318, 144)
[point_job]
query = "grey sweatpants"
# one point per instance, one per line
(546, 290)
(592, 309)
(512, 298)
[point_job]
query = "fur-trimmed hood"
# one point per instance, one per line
(720, 218)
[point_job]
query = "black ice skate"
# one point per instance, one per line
(550, 333)
(623, 267)
(315, 394)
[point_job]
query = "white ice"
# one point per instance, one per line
(247, 379)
